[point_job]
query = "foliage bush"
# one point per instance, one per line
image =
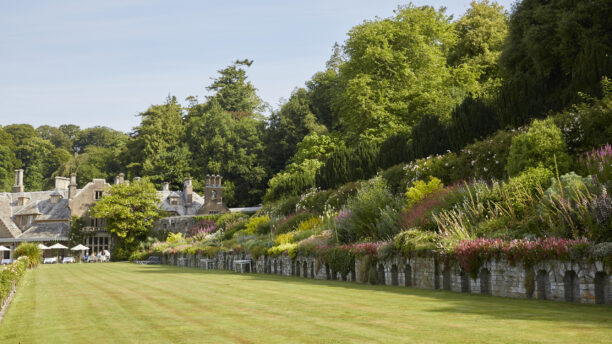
(395, 178)
(255, 222)
(203, 226)
(30, 250)
(228, 220)
(11, 275)
(421, 189)
(541, 146)
(485, 159)
(365, 212)
(291, 222)
(414, 241)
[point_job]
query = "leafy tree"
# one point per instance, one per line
(21, 133)
(99, 136)
(39, 158)
(7, 165)
(130, 209)
(561, 47)
(93, 162)
(157, 148)
(71, 130)
(395, 71)
(481, 32)
(287, 127)
(233, 93)
(58, 138)
(323, 88)
(233, 147)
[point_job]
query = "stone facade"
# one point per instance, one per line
(44, 216)
(583, 282)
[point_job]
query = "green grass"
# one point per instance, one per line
(126, 303)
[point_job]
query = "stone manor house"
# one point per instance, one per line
(44, 216)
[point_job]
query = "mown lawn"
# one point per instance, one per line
(126, 303)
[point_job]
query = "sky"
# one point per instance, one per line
(103, 62)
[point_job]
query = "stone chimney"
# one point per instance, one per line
(18, 187)
(165, 186)
(188, 191)
(120, 178)
(62, 183)
(72, 187)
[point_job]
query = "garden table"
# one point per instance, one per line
(208, 264)
(182, 262)
(51, 260)
(68, 260)
(242, 264)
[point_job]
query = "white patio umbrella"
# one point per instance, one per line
(58, 246)
(2, 249)
(43, 247)
(81, 248)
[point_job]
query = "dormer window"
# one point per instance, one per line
(97, 195)
(55, 197)
(173, 199)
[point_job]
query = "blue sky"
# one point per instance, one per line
(102, 62)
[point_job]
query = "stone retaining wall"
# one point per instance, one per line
(584, 282)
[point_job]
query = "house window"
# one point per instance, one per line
(174, 201)
(97, 195)
(96, 222)
(214, 194)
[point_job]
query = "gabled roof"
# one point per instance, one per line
(8, 229)
(181, 208)
(46, 231)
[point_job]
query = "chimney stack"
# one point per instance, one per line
(18, 187)
(62, 183)
(188, 191)
(120, 178)
(165, 186)
(72, 187)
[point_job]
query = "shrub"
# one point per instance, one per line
(339, 197)
(203, 226)
(365, 208)
(139, 255)
(574, 206)
(339, 259)
(291, 222)
(30, 250)
(285, 184)
(175, 238)
(234, 228)
(541, 146)
(313, 201)
(226, 221)
(309, 224)
(421, 189)
(522, 193)
(255, 222)
(586, 125)
(439, 166)
(598, 163)
(415, 241)
(11, 275)
(395, 178)
(485, 159)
